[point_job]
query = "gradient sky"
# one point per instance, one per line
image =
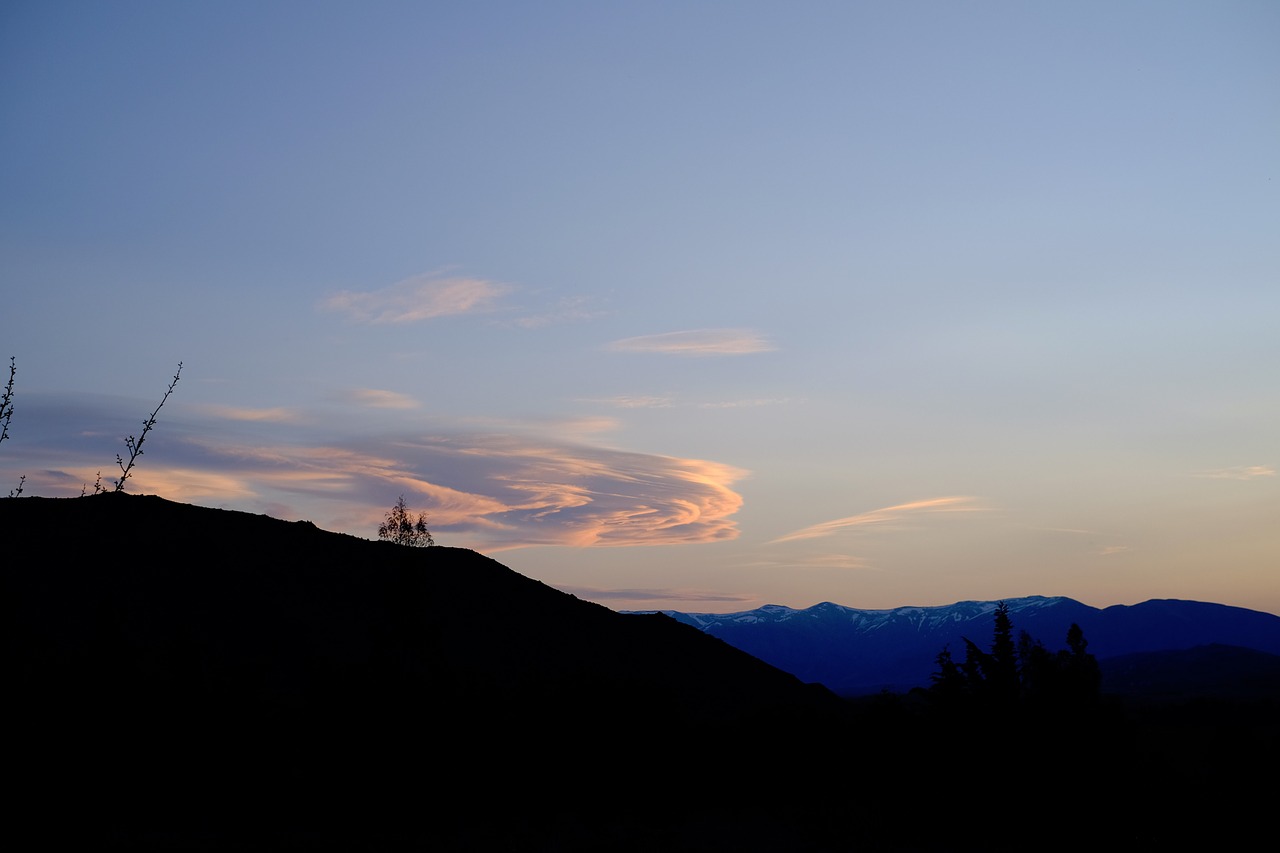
(694, 305)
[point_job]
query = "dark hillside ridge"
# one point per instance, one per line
(171, 666)
(286, 606)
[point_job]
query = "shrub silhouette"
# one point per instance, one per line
(6, 401)
(400, 528)
(6, 415)
(133, 445)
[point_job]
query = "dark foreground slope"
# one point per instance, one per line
(184, 672)
(187, 678)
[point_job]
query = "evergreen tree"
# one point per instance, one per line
(949, 682)
(1083, 678)
(1002, 677)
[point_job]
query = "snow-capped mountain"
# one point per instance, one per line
(854, 651)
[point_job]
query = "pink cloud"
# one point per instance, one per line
(419, 298)
(503, 492)
(884, 516)
(698, 342)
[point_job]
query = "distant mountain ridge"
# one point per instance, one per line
(854, 651)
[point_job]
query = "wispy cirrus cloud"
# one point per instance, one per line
(1112, 550)
(1240, 472)
(882, 517)
(570, 309)
(277, 415)
(814, 561)
(697, 342)
(641, 401)
(634, 401)
(376, 398)
(422, 297)
(746, 404)
(663, 596)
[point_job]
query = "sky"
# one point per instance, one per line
(696, 305)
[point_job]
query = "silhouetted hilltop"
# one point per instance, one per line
(198, 658)
(284, 608)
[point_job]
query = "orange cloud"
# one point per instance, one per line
(188, 485)
(697, 342)
(594, 497)
(509, 491)
(884, 516)
(1240, 472)
(419, 298)
(1111, 550)
(481, 489)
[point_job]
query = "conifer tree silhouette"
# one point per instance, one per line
(1024, 672)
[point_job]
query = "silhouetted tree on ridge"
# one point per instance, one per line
(400, 528)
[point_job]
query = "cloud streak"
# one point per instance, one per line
(376, 398)
(573, 309)
(698, 342)
(840, 562)
(631, 401)
(278, 414)
(664, 596)
(1240, 472)
(413, 300)
(884, 516)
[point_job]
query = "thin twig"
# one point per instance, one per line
(135, 446)
(6, 401)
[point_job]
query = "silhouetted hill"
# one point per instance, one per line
(174, 666)
(284, 608)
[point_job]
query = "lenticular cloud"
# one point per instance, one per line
(501, 492)
(559, 494)
(481, 490)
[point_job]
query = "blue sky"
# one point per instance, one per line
(701, 305)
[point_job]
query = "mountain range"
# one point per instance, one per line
(857, 652)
